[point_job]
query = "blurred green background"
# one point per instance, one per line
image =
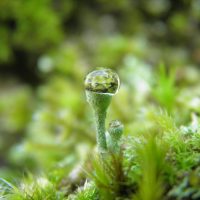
(48, 46)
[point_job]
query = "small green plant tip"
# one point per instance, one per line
(116, 129)
(102, 81)
(115, 132)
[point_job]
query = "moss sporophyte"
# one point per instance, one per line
(100, 86)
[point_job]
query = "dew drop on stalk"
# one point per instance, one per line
(102, 81)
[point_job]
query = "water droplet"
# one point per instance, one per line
(102, 81)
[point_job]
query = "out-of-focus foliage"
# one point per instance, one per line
(26, 25)
(46, 133)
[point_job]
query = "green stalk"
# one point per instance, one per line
(100, 129)
(99, 103)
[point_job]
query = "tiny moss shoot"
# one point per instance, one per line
(115, 131)
(100, 86)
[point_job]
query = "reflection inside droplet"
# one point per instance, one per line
(102, 81)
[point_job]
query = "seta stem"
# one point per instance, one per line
(100, 130)
(99, 103)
